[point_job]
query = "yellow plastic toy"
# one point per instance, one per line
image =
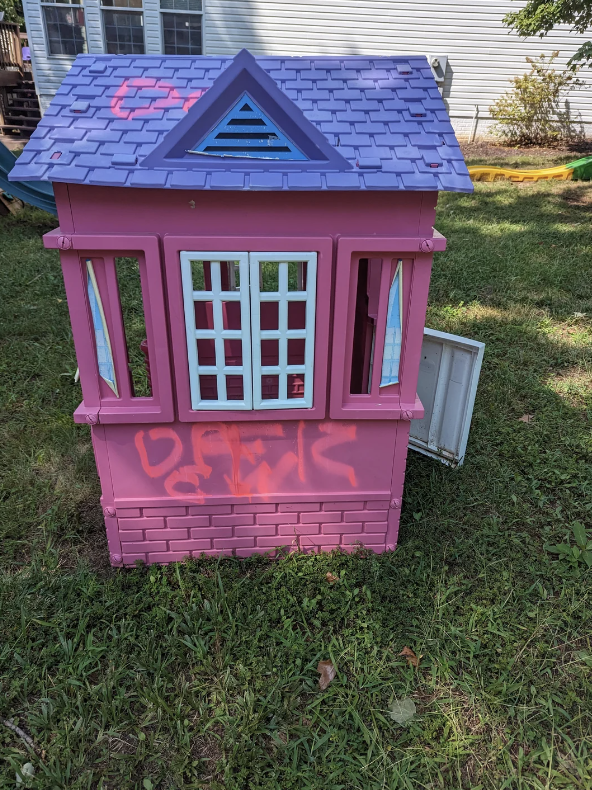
(580, 169)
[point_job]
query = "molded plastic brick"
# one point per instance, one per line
(126, 536)
(232, 521)
(234, 543)
(147, 545)
(254, 530)
(166, 534)
(128, 512)
(165, 511)
(341, 528)
(299, 507)
(343, 506)
(188, 522)
(211, 532)
(190, 545)
(202, 510)
(144, 523)
(376, 526)
(366, 515)
(130, 559)
(323, 540)
(254, 508)
(317, 518)
(274, 541)
(364, 537)
(298, 529)
(377, 504)
(277, 518)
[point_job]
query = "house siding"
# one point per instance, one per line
(483, 55)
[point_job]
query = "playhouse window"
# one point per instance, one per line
(369, 331)
(250, 326)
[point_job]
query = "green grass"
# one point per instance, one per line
(204, 675)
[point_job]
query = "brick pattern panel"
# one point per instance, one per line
(170, 534)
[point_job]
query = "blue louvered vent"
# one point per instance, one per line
(245, 131)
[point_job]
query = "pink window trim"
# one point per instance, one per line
(173, 245)
(394, 401)
(98, 399)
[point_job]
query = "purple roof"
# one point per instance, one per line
(361, 123)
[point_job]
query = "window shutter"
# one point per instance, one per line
(284, 316)
(220, 365)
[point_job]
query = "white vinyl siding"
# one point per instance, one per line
(283, 334)
(218, 333)
(483, 55)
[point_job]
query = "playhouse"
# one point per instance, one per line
(246, 246)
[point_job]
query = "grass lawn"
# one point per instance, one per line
(204, 675)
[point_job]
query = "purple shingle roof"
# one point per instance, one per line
(375, 122)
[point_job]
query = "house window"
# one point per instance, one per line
(182, 27)
(64, 27)
(123, 27)
(250, 328)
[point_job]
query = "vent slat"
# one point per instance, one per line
(245, 131)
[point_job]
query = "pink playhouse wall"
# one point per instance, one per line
(176, 482)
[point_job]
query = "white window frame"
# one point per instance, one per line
(122, 9)
(282, 334)
(218, 334)
(250, 296)
(201, 13)
(62, 4)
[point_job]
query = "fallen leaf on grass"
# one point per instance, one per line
(402, 711)
(331, 578)
(412, 659)
(327, 671)
(528, 418)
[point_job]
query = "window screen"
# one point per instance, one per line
(250, 325)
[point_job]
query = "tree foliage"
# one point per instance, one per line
(13, 12)
(530, 113)
(538, 17)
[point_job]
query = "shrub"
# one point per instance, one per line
(530, 112)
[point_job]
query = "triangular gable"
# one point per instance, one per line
(246, 132)
(244, 76)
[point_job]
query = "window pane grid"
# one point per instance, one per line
(217, 297)
(283, 297)
(124, 32)
(66, 31)
(182, 33)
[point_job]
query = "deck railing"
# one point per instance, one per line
(11, 58)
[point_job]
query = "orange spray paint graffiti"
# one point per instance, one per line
(170, 98)
(245, 445)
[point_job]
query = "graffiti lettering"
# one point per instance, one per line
(248, 472)
(172, 459)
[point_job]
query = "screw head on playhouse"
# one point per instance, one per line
(246, 246)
